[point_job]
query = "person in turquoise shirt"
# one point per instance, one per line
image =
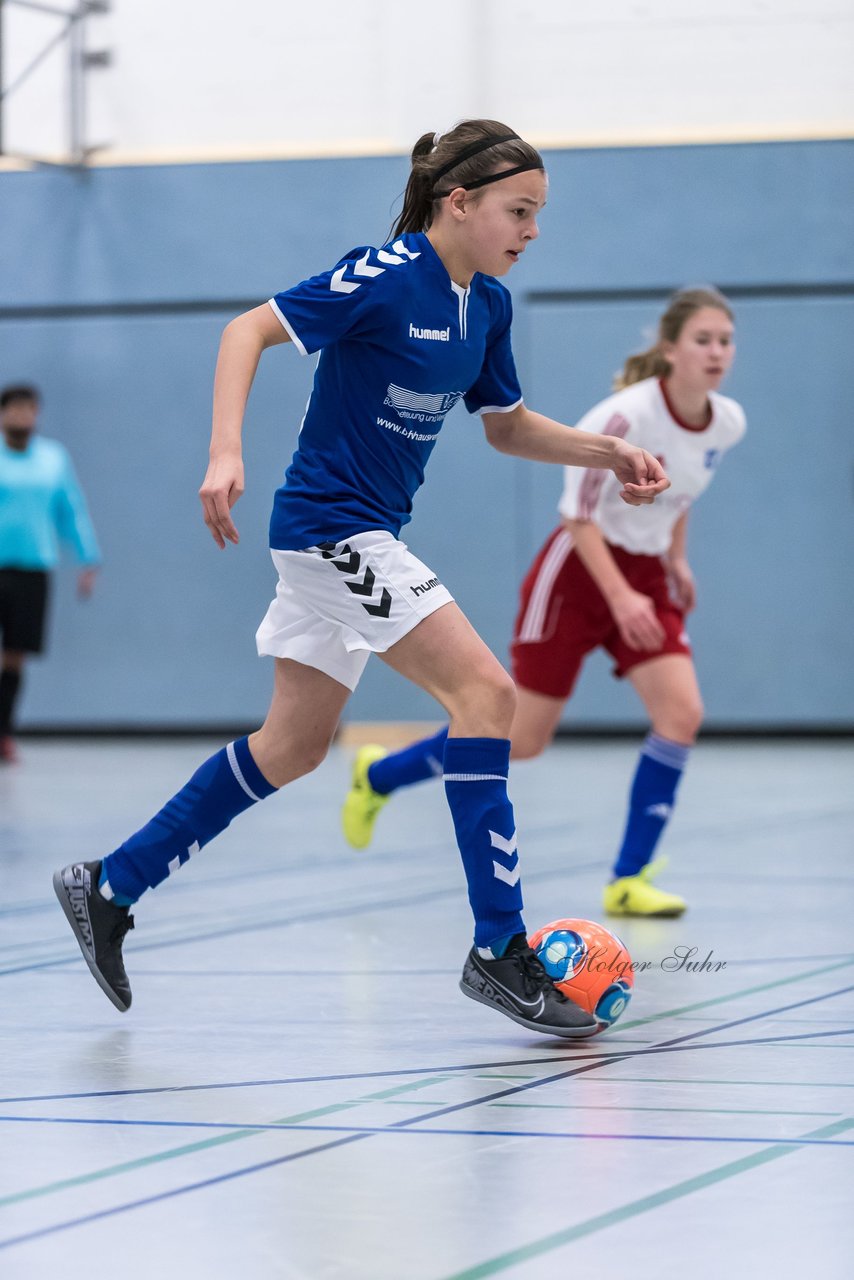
(41, 506)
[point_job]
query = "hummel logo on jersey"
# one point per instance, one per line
(424, 587)
(433, 335)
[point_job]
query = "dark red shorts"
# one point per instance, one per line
(563, 617)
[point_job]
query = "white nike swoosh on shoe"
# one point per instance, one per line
(537, 1005)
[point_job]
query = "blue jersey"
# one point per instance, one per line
(400, 344)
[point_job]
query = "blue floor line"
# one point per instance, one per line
(421, 1119)
(179, 1191)
(304, 917)
(752, 1017)
(559, 1056)
(406, 1127)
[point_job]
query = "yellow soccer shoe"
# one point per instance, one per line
(637, 896)
(362, 804)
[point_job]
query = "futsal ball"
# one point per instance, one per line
(589, 964)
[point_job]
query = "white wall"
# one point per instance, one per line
(199, 78)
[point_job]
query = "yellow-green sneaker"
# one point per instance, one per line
(362, 804)
(637, 896)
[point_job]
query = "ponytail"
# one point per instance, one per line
(645, 364)
(418, 197)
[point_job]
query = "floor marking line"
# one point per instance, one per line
(157, 1157)
(617, 1056)
(400, 1129)
(536, 1248)
(588, 1066)
(752, 1017)
(694, 1111)
(308, 916)
(664, 1047)
(387, 1095)
(179, 1191)
(369, 1075)
(748, 991)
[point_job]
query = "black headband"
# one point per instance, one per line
(496, 177)
(474, 148)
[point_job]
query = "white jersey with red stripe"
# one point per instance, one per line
(643, 415)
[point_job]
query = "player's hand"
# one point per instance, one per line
(637, 622)
(682, 585)
(86, 583)
(641, 475)
(222, 486)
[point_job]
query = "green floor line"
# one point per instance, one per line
(800, 1044)
(765, 1084)
(190, 1148)
(712, 1111)
(558, 1238)
(497, 1075)
(206, 1144)
(736, 995)
(413, 1102)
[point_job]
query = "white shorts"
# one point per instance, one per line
(338, 603)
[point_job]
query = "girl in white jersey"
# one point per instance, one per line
(619, 579)
(404, 332)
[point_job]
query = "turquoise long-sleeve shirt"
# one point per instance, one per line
(41, 505)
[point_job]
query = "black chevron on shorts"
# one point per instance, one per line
(382, 609)
(332, 551)
(366, 586)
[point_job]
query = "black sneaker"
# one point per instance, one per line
(518, 986)
(99, 927)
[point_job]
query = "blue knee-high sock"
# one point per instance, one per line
(218, 791)
(653, 794)
(416, 763)
(476, 786)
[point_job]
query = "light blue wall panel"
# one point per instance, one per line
(114, 287)
(168, 636)
(771, 540)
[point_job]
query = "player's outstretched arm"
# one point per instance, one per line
(243, 340)
(526, 434)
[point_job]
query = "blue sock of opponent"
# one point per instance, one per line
(416, 763)
(476, 786)
(653, 794)
(218, 791)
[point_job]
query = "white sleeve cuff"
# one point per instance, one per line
(499, 408)
(286, 324)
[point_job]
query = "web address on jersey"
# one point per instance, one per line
(406, 432)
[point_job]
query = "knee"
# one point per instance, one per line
(284, 762)
(485, 706)
(312, 755)
(683, 721)
(528, 744)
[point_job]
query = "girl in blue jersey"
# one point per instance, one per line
(404, 331)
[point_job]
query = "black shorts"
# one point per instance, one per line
(23, 606)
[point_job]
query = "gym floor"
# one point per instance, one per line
(301, 1090)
